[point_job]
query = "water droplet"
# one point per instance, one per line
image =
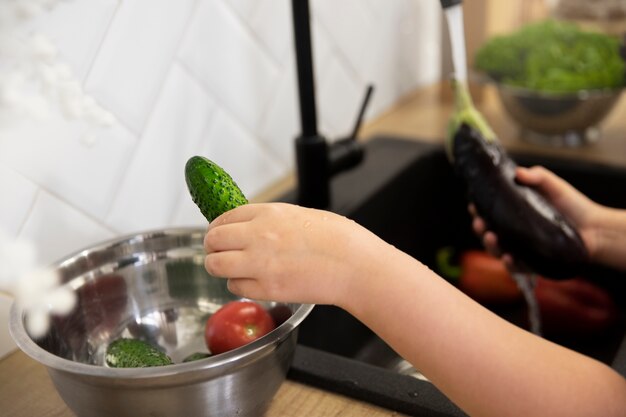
(414, 394)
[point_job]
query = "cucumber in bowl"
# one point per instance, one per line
(133, 353)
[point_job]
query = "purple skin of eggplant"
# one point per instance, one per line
(537, 235)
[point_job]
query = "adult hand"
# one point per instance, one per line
(582, 212)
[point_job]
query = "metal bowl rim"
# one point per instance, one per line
(582, 95)
(249, 351)
(585, 94)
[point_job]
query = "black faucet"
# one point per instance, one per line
(317, 160)
(449, 3)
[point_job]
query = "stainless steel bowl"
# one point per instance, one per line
(154, 287)
(558, 119)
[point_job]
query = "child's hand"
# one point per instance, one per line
(284, 252)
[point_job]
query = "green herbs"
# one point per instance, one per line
(131, 353)
(553, 57)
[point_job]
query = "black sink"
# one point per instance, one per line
(406, 193)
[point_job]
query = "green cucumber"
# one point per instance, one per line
(196, 356)
(211, 188)
(133, 353)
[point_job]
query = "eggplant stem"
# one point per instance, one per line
(465, 112)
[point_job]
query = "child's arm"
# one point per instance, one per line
(484, 364)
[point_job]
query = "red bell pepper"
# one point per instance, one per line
(574, 308)
(569, 308)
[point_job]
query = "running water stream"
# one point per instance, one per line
(456, 31)
(525, 281)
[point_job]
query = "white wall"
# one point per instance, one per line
(209, 77)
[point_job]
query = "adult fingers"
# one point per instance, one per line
(490, 241)
(489, 238)
(564, 196)
(529, 176)
(472, 209)
(543, 179)
(479, 226)
(508, 261)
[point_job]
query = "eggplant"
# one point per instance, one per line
(528, 226)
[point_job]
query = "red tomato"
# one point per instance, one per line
(573, 308)
(486, 279)
(236, 324)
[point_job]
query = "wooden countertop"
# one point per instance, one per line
(424, 115)
(26, 390)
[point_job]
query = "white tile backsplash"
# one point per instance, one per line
(79, 162)
(271, 23)
(245, 8)
(241, 155)
(350, 24)
(59, 229)
(18, 195)
(282, 122)
(420, 45)
(221, 52)
(209, 77)
(186, 213)
(135, 56)
(175, 131)
(340, 97)
(89, 18)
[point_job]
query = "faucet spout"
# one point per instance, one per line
(449, 3)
